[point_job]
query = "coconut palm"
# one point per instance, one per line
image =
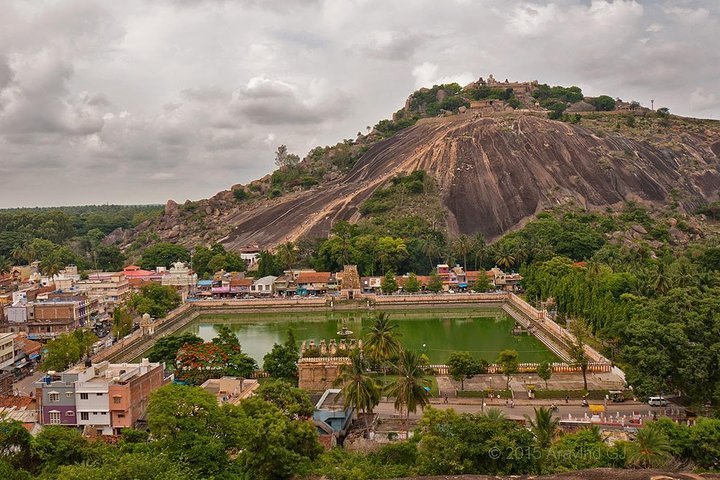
(359, 390)
(5, 266)
(479, 249)
(430, 246)
(651, 448)
(51, 267)
(504, 257)
(288, 255)
(19, 254)
(381, 343)
(409, 386)
(544, 426)
(462, 245)
(662, 281)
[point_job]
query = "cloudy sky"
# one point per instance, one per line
(140, 101)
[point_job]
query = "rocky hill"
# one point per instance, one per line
(495, 163)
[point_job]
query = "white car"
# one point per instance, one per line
(658, 402)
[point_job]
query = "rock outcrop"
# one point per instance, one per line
(492, 173)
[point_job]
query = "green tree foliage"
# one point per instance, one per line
(109, 258)
(291, 400)
(435, 283)
(15, 444)
(122, 322)
(165, 349)
(145, 465)
(463, 367)
(285, 159)
(508, 361)
(207, 261)
(651, 449)
(281, 361)
(544, 426)
(154, 299)
(389, 285)
(163, 254)
(359, 389)
(408, 385)
(268, 264)
(67, 349)
(604, 103)
(544, 371)
(454, 444)
(382, 342)
(56, 446)
(482, 284)
(412, 284)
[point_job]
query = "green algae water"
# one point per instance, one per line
(437, 333)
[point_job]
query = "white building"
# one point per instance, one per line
(179, 275)
(7, 349)
(264, 285)
(110, 288)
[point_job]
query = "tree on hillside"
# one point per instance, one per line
(604, 103)
(508, 361)
(462, 246)
(463, 367)
(285, 159)
(163, 254)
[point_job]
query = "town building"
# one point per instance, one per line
(7, 349)
(264, 286)
(230, 389)
(179, 275)
(331, 417)
(102, 399)
(46, 319)
(109, 288)
(314, 283)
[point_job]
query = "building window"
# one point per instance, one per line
(84, 416)
(83, 396)
(69, 413)
(116, 400)
(68, 394)
(54, 417)
(98, 394)
(54, 396)
(121, 415)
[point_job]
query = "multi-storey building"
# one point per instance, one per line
(104, 397)
(110, 289)
(7, 349)
(47, 319)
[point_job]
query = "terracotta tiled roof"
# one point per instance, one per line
(314, 277)
(241, 282)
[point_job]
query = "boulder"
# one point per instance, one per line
(639, 229)
(171, 207)
(462, 109)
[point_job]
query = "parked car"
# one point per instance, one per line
(657, 402)
(616, 396)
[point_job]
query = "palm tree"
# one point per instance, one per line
(544, 426)
(651, 448)
(479, 249)
(18, 254)
(577, 348)
(662, 281)
(504, 257)
(51, 267)
(359, 390)
(495, 415)
(430, 246)
(5, 266)
(463, 245)
(409, 385)
(382, 342)
(288, 255)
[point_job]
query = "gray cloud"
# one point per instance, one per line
(140, 101)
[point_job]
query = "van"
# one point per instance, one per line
(657, 402)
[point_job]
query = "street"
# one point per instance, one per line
(386, 408)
